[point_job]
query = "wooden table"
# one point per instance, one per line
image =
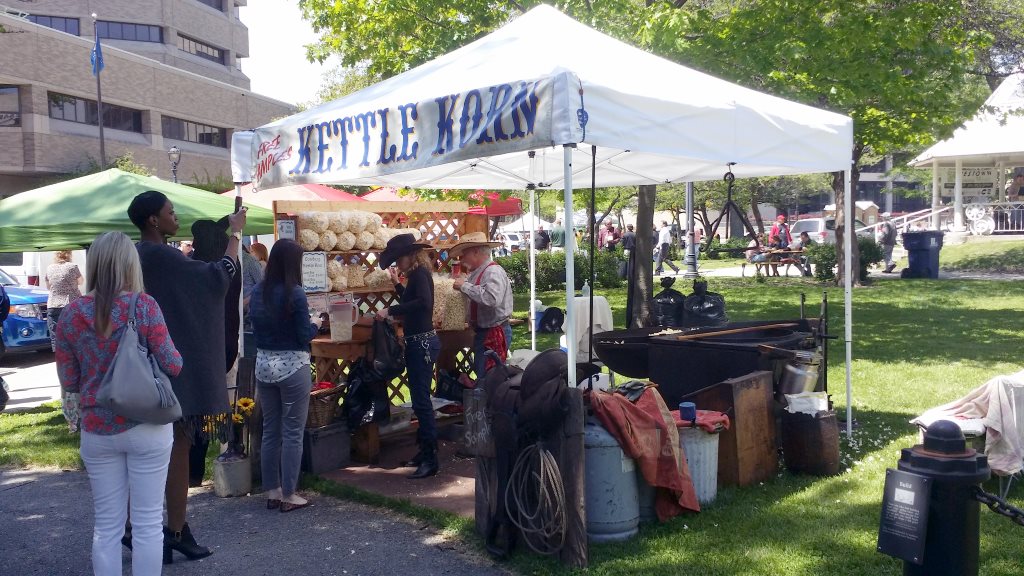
(787, 257)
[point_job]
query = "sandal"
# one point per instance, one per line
(288, 506)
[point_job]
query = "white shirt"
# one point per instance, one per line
(665, 235)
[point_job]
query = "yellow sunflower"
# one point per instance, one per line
(237, 418)
(246, 405)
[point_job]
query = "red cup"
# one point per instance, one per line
(456, 269)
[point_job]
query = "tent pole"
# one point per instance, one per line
(848, 293)
(691, 247)
(241, 293)
(533, 266)
(570, 263)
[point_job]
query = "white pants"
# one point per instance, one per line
(130, 467)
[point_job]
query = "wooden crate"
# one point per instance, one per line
(746, 451)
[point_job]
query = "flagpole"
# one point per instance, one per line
(97, 70)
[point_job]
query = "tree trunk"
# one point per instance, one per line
(641, 285)
(756, 212)
(842, 234)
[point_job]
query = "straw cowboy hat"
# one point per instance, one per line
(399, 246)
(471, 240)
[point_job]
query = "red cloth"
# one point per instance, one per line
(707, 420)
(647, 433)
(494, 340)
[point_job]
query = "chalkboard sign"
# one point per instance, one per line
(314, 272)
(904, 524)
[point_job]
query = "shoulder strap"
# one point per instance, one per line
(131, 308)
(481, 276)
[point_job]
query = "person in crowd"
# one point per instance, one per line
(779, 236)
(63, 279)
(186, 247)
(541, 239)
(758, 253)
(490, 299)
(608, 238)
(887, 240)
(283, 329)
(126, 460)
(259, 251)
(629, 239)
(664, 244)
(403, 255)
(558, 236)
(800, 245)
(209, 241)
(191, 295)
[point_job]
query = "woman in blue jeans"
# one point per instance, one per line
(283, 331)
(416, 309)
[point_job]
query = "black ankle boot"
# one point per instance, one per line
(428, 466)
(415, 461)
(184, 543)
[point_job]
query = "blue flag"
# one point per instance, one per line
(97, 57)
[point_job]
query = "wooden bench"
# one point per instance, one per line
(762, 267)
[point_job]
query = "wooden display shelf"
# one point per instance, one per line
(357, 291)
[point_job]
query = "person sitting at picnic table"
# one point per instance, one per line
(757, 254)
(800, 245)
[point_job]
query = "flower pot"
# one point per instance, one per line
(232, 477)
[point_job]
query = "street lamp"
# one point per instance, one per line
(174, 155)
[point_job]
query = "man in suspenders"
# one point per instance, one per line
(490, 298)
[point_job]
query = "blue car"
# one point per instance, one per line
(25, 327)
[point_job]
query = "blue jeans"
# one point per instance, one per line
(285, 407)
(420, 355)
(52, 316)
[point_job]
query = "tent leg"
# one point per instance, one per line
(533, 266)
(848, 295)
(691, 247)
(570, 267)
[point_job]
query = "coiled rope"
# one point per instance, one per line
(535, 500)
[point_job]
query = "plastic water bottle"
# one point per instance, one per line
(586, 288)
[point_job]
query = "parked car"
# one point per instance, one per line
(25, 327)
(823, 230)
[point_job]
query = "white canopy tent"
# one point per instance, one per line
(526, 223)
(993, 137)
(525, 107)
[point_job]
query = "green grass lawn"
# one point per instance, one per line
(917, 344)
(984, 254)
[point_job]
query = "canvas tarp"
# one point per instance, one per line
(468, 118)
(69, 215)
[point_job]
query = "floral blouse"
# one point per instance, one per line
(83, 356)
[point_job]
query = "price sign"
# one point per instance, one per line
(314, 272)
(904, 524)
(286, 229)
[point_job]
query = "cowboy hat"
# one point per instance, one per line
(399, 246)
(471, 240)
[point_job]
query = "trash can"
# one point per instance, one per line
(922, 254)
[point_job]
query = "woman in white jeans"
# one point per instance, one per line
(126, 460)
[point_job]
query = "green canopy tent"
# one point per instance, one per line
(69, 215)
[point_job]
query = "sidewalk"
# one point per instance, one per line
(46, 528)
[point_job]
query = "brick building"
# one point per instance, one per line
(171, 78)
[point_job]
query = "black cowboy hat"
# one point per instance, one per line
(399, 246)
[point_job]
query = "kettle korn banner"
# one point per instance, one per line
(359, 143)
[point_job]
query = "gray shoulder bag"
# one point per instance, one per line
(134, 386)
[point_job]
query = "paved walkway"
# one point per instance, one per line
(46, 523)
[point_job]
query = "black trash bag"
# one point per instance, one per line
(668, 305)
(366, 398)
(703, 308)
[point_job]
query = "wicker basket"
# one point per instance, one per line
(323, 407)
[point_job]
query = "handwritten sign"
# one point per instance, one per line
(286, 229)
(314, 272)
(904, 524)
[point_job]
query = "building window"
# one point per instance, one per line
(129, 31)
(83, 111)
(215, 4)
(69, 25)
(10, 109)
(178, 129)
(200, 49)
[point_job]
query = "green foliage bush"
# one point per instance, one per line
(870, 254)
(551, 270)
(823, 258)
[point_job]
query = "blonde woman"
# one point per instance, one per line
(63, 279)
(126, 460)
(416, 309)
